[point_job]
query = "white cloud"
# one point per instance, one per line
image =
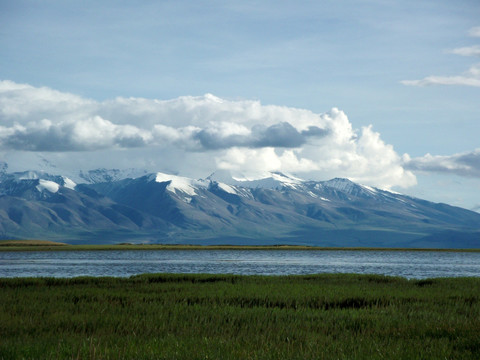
(20, 102)
(83, 135)
(467, 51)
(255, 163)
(193, 136)
(468, 78)
(464, 164)
(475, 31)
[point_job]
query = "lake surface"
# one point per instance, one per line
(124, 263)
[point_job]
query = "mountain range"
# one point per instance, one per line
(113, 206)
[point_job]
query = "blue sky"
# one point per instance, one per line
(410, 69)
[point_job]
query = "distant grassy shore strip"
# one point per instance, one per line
(42, 245)
(30, 243)
(179, 316)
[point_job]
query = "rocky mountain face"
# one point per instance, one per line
(112, 206)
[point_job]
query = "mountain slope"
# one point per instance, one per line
(277, 209)
(34, 207)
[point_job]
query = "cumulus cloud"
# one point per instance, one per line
(194, 134)
(467, 51)
(83, 135)
(470, 77)
(282, 135)
(464, 164)
(20, 102)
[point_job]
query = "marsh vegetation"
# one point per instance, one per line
(240, 317)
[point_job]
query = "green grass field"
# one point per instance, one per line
(240, 317)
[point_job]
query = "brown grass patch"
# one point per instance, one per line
(30, 243)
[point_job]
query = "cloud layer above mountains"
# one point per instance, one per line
(194, 136)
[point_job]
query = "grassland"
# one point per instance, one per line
(42, 245)
(6, 244)
(240, 317)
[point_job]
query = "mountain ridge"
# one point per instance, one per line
(278, 209)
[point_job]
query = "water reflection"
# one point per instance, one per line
(409, 264)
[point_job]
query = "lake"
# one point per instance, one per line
(408, 264)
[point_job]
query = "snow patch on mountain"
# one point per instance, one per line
(69, 183)
(287, 180)
(47, 185)
(369, 188)
(271, 180)
(341, 184)
(312, 194)
(348, 187)
(110, 175)
(179, 183)
(46, 181)
(227, 188)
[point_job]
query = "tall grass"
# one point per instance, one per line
(240, 317)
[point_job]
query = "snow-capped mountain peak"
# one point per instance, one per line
(109, 175)
(287, 180)
(45, 180)
(33, 184)
(178, 183)
(271, 180)
(349, 187)
(340, 184)
(277, 208)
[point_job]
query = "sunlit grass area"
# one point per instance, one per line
(240, 317)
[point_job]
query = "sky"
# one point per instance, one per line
(384, 92)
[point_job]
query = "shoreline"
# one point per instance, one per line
(39, 245)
